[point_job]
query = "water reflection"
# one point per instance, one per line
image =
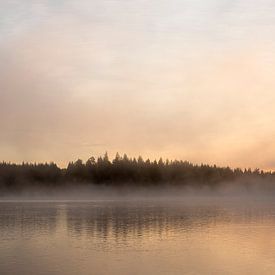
(136, 238)
(121, 220)
(133, 220)
(27, 219)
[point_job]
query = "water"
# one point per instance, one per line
(112, 237)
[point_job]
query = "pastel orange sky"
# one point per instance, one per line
(185, 79)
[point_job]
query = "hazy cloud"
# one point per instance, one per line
(177, 79)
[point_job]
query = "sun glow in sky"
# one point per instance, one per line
(186, 79)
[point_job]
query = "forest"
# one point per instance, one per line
(122, 171)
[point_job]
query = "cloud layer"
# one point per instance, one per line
(180, 80)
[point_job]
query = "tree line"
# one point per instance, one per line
(122, 170)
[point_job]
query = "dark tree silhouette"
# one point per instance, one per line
(122, 170)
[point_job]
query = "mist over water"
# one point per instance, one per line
(236, 190)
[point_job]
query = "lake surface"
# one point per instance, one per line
(149, 237)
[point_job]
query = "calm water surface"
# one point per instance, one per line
(111, 237)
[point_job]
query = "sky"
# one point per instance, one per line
(181, 79)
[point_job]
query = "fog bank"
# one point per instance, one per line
(254, 189)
